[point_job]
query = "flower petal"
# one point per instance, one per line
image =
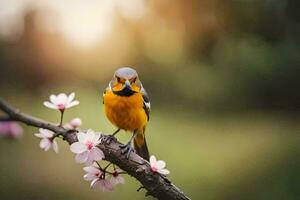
(55, 146)
(89, 160)
(53, 98)
(89, 177)
(106, 185)
(81, 157)
(121, 179)
(96, 154)
(95, 183)
(117, 180)
(71, 97)
(91, 170)
(62, 99)
(160, 164)
(164, 171)
(45, 144)
(152, 160)
(78, 147)
(82, 137)
(39, 135)
(47, 133)
(102, 184)
(96, 138)
(73, 103)
(47, 147)
(90, 135)
(114, 180)
(50, 105)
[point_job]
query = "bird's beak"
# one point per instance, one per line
(127, 84)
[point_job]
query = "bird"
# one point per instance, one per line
(127, 106)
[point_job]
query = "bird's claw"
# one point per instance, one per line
(126, 149)
(108, 139)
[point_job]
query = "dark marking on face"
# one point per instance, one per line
(126, 91)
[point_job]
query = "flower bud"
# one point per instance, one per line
(10, 130)
(76, 122)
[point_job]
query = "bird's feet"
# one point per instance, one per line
(108, 139)
(126, 149)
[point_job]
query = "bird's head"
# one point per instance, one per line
(125, 82)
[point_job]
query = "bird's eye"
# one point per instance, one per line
(133, 80)
(118, 78)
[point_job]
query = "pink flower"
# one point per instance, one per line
(61, 101)
(97, 179)
(116, 178)
(92, 173)
(11, 129)
(86, 147)
(73, 124)
(47, 142)
(76, 122)
(103, 184)
(158, 166)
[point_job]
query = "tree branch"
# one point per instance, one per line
(156, 185)
(5, 119)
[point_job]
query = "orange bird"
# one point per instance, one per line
(127, 106)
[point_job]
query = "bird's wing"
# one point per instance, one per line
(147, 105)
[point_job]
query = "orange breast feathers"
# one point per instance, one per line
(125, 112)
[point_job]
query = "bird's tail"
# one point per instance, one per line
(140, 146)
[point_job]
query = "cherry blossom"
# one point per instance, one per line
(86, 147)
(61, 101)
(10, 130)
(97, 178)
(73, 124)
(76, 122)
(92, 173)
(158, 166)
(116, 177)
(102, 183)
(47, 142)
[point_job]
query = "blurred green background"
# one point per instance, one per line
(223, 78)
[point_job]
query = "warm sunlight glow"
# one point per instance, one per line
(82, 24)
(85, 24)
